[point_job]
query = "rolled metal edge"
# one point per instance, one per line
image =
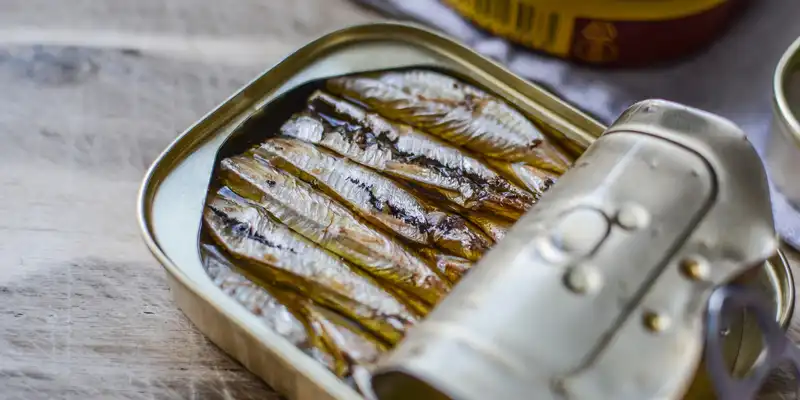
(783, 151)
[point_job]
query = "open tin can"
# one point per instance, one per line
(174, 191)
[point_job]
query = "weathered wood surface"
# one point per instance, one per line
(85, 311)
(90, 92)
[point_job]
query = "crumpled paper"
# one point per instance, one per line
(732, 77)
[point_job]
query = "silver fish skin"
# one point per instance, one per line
(405, 152)
(327, 337)
(495, 228)
(456, 112)
(327, 223)
(349, 344)
(376, 198)
(257, 300)
(274, 314)
(272, 252)
(451, 266)
(355, 345)
(535, 180)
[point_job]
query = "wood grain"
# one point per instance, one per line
(86, 313)
(90, 92)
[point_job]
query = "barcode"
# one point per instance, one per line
(541, 27)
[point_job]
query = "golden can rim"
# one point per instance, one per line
(488, 69)
(786, 289)
(789, 60)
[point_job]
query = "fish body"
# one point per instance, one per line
(457, 112)
(327, 223)
(274, 314)
(496, 228)
(536, 180)
(407, 153)
(272, 252)
(376, 198)
(348, 343)
(451, 266)
(328, 337)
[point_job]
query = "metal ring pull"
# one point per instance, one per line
(777, 346)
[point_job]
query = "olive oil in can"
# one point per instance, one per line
(604, 32)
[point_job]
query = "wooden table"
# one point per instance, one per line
(91, 92)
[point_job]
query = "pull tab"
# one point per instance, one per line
(777, 347)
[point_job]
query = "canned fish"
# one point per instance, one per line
(287, 311)
(614, 33)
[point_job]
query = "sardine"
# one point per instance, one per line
(457, 112)
(536, 180)
(264, 305)
(331, 339)
(496, 228)
(420, 307)
(404, 152)
(451, 266)
(376, 198)
(273, 253)
(327, 223)
(348, 343)
(456, 235)
(328, 337)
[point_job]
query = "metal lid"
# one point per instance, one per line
(599, 291)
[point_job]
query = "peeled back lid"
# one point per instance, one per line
(599, 291)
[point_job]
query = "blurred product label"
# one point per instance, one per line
(608, 32)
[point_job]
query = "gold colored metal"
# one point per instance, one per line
(655, 322)
(173, 191)
(694, 269)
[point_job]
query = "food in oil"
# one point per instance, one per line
(494, 226)
(271, 252)
(377, 198)
(333, 340)
(329, 224)
(451, 266)
(532, 178)
(406, 153)
(459, 113)
(354, 214)
(256, 299)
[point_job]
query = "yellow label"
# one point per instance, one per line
(548, 25)
(538, 27)
(612, 10)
